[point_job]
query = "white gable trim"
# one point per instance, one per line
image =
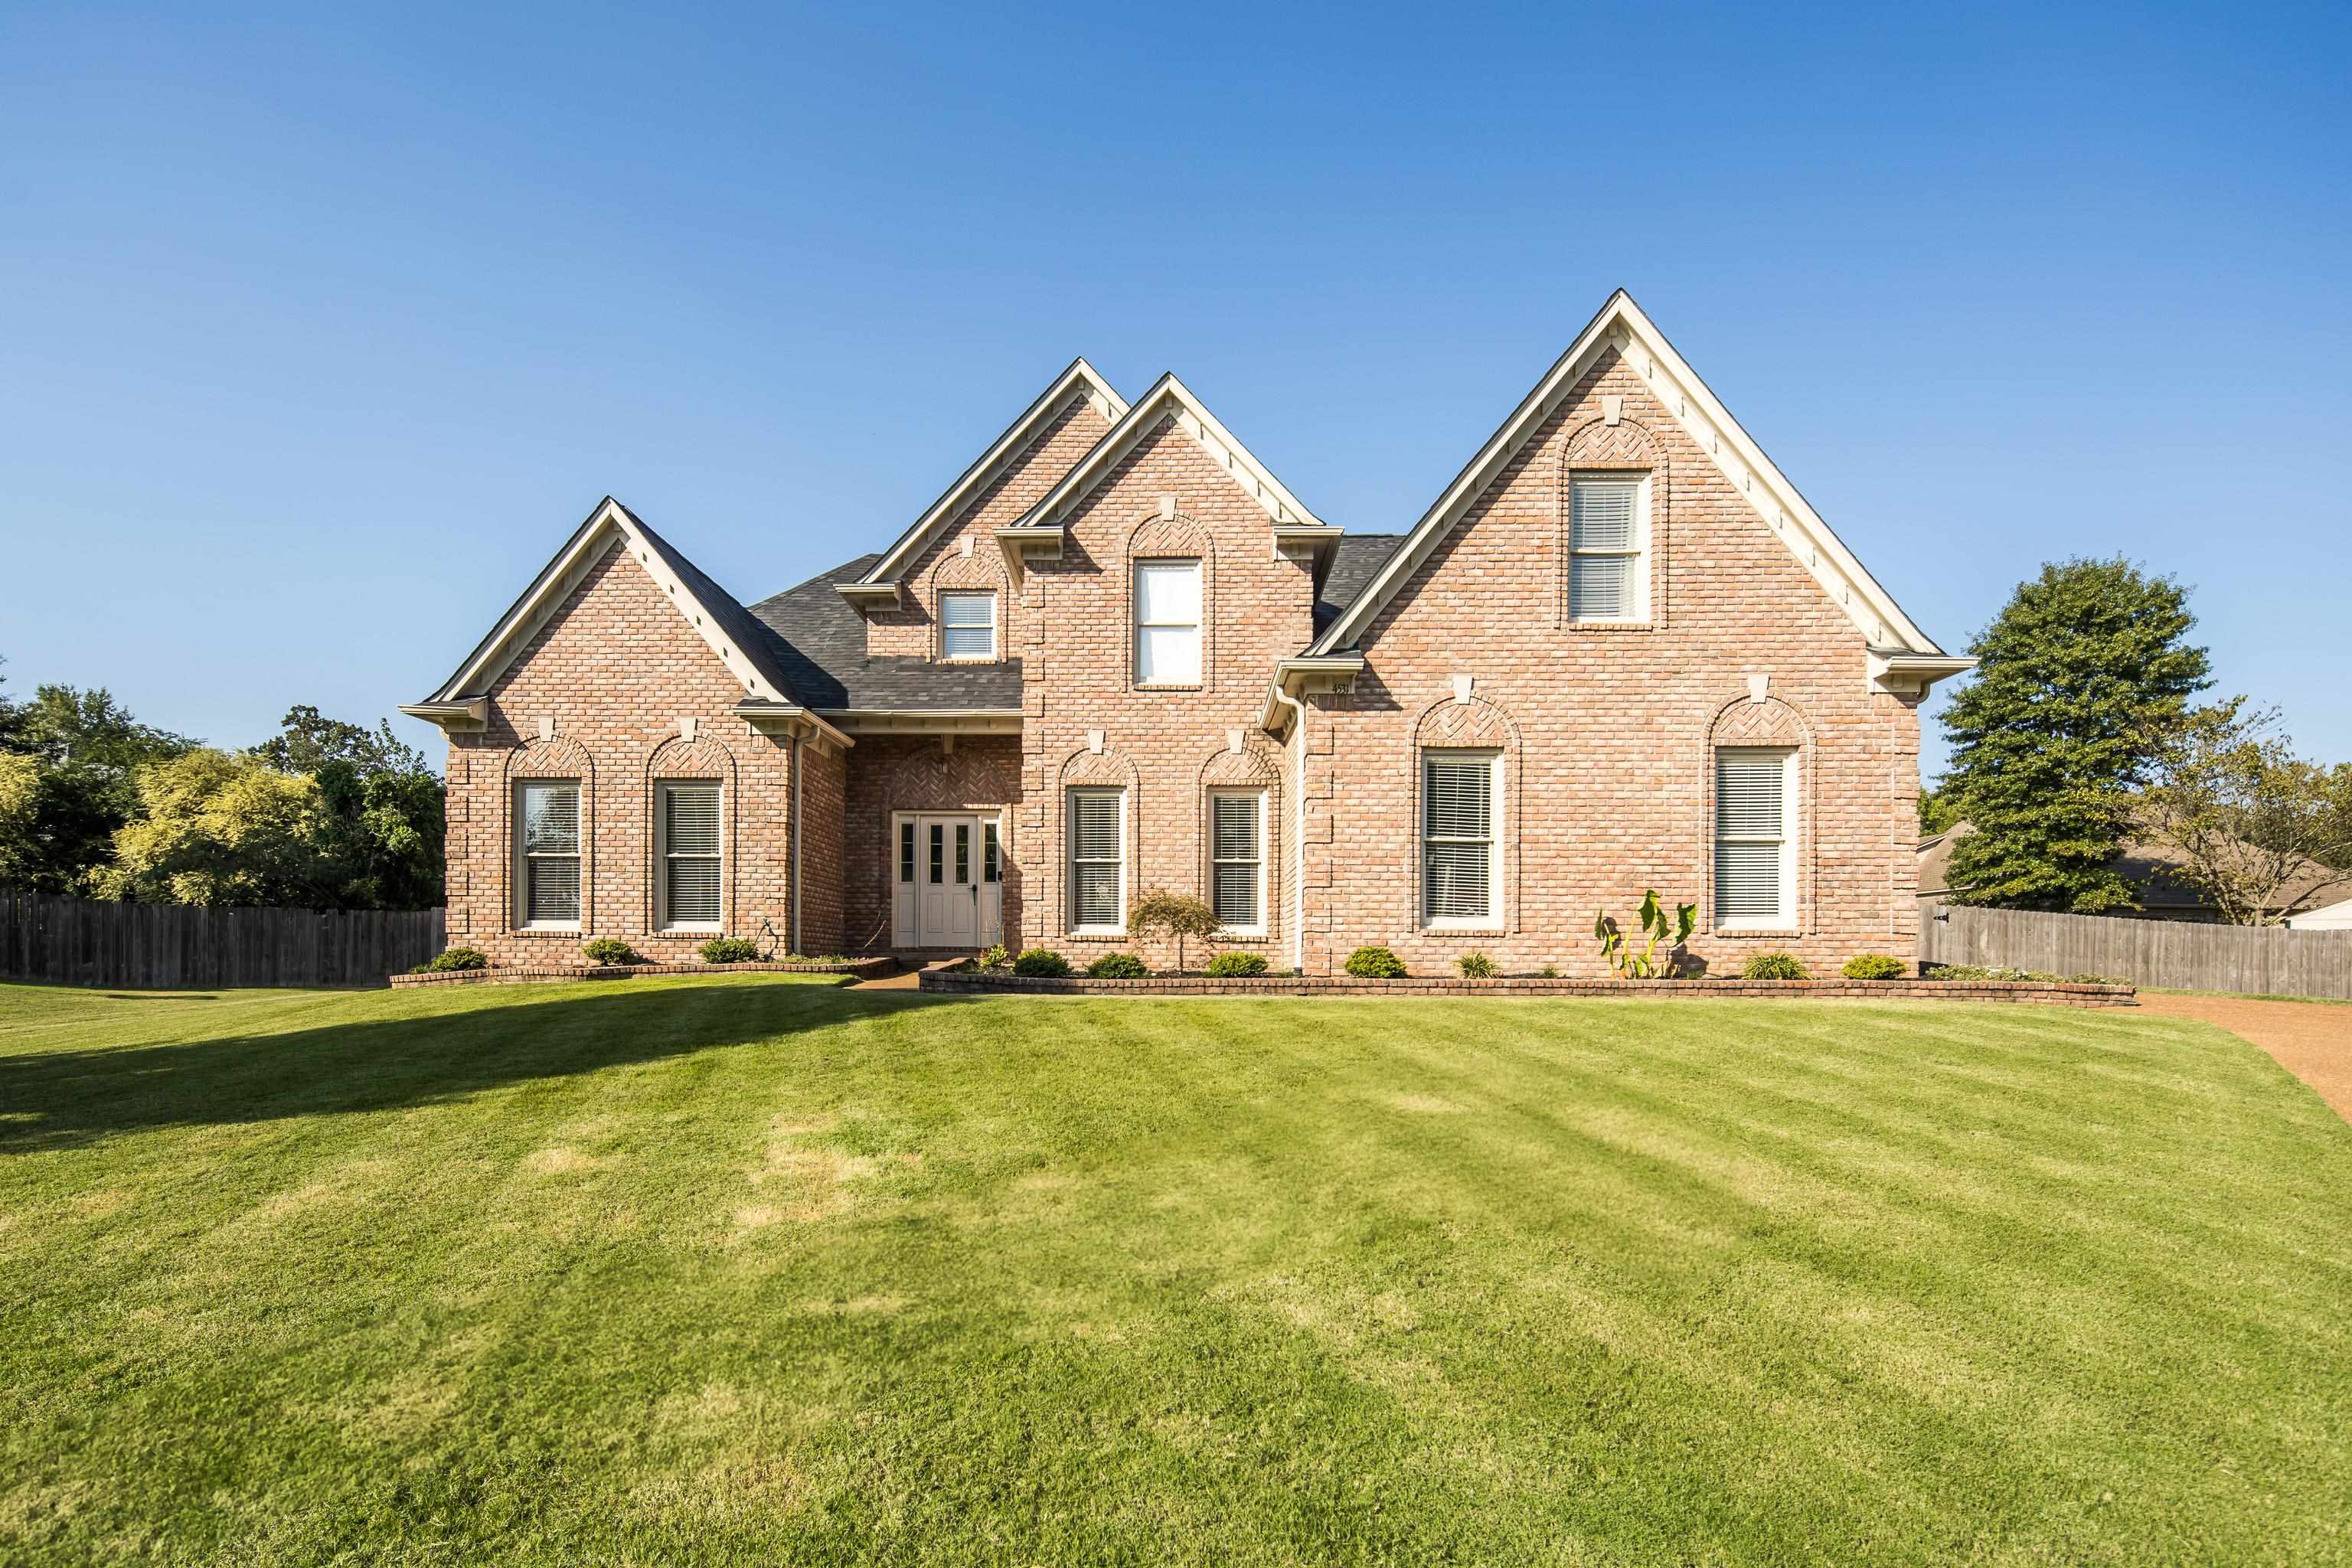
(1170, 400)
(1078, 381)
(609, 525)
(1622, 325)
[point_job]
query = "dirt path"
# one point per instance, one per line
(2312, 1040)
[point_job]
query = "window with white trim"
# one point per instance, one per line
(688, 831)
(1608, 544)
(1237, 861)
(547, 855)
(1098, 861)
(1458, 843)
(967, 625)
(1755, 839)
(1168, 622)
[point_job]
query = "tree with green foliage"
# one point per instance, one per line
(1937, 812)
(86, 753)
(2082, 681)
(2249, 824)
(221, 829)
(384, 807)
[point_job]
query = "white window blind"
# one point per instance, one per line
(690, 854)
(1605, 531)
(1235, 861)
(1458, 837)
(1097, 860)
(1168, 622)
(1753, 843)
(967, 625)
(549, 827)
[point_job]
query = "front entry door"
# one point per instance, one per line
(956, 878)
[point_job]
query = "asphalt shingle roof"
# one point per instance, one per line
(1356, 560)
(820, 641)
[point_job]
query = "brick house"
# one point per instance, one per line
(1620, 651)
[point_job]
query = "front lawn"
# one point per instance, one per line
(757, 1270)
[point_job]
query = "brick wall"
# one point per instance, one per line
(981, 773)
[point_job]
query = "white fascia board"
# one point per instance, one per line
(1018, 437)
(793, 716)
(926, 721)
(1620, 325)
(458, 715)
(608, 524)
(1172, 399)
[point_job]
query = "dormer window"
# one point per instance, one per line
(967, 625)
(1168, 622)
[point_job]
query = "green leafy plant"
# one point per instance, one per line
(1236, 965)
(1375, 964)
(1875, 966)
(1475, 965)
(1116, 966)
(1041, 964)
(455, 958)
(728, 949)
(994, 957)
(1773, 966)
(1178, 916)
(609, 950)
(1649, 964)
(1548, 972)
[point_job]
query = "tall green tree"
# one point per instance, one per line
(86, 753)
(218, 828)
(2081, 682)
(382, 808)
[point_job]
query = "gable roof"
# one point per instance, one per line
(1356, 560)
(1078, 380)
(739, 639)
(821, 642)
(1171, 399)
(1622, 325)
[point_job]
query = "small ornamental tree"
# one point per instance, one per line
(1175, 915)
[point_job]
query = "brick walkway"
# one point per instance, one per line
(2312, 1040)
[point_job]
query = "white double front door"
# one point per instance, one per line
(946, 874)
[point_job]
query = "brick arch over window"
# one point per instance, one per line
(1744, 721)
(1179, 537)
(1256, 766)
(561, 757)
(701, 758)
(1627, 445)
(1077, 769)
(955, 571)
(1480, 725)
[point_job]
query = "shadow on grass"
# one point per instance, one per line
(60, 1098)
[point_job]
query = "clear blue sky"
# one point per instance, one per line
(319, 333)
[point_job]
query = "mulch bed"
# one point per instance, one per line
(853, 969)
(970, 981)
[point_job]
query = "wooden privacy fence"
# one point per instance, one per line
(2248, 959)
(73, 941)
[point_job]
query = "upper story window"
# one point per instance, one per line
(1755, 837)
(689, 856)
(1608, 543)
(967, 625)
(1457, 838)
(547, 854)
(1168, 622)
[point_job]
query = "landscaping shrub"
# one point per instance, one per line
(2036, 976)
(456, 958)
(1475, 965)
(1875, 966)
(1041, 964)
(1236, 965)
(994, 957)
(1116, 966)
(1177, 915)
(1776, 966)
(1375, 964)
(609, 950)
(728, 949)
(1548, 972)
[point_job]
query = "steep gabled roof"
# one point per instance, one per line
(1171, 399)
(1079, 379)
(741, 640)
(1622, 325)
(822, 642)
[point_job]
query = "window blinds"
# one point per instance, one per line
(690, 852)
(1604, 547)
(1095, 859)
(1457, 838)
(1233, 859)
(550, 854)
(1751, 860)
(967, 625)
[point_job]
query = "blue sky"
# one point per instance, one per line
(318, 332)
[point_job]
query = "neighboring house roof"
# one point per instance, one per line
(2152, 867)
(1623, 326)
(821, 642)
(1356, 559)
(2332, 917)
(1078, 380)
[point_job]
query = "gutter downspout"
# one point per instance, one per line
(1298, 827)
(792, 873)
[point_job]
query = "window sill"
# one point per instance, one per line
(1170, 686)
(573, 930)
(1253, 933)
(1096, 933)
(1642, 625)
(710, 929)
(1777, 933)
(1480, 929)
(966, 659)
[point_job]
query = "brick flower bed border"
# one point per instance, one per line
(969, 982)
(515, 974)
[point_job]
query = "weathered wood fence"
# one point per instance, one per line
(2247, 960)
(74, 941)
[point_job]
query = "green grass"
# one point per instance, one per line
(757, 1270)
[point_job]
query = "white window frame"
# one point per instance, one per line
(521, 859)
(947, 657)
(1491, 920)
(1257, 798)
(1198, 624)
(1070, 861)
(662, 788)
(1638, 612)
(1792, 825)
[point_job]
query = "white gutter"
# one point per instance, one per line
(1298, 878)
(793, 870)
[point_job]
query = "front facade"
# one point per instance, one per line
(1117, 655)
